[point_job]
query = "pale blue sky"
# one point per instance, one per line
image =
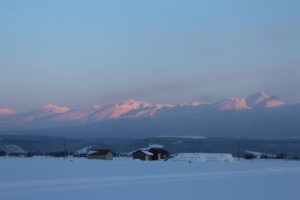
(80, 53)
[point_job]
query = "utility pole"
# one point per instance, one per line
(238, 151)
(64, 149)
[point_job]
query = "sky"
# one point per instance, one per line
(81, 53)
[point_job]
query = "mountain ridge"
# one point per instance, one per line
(255, 116)
(51, 115)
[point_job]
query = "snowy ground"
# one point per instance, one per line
(41, 178)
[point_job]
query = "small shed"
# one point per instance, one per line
(159, 153)
(258, 155)
(142, 155)
(103, 154)
(3, 153)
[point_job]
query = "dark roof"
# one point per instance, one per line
(145, 152)
(158, 150)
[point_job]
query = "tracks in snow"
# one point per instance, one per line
(32, 186)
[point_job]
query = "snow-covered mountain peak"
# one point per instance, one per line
(274, 103)
(52, 115)
(54, 108)
(264, 100)
(257, 98)
(133, 104)
(232, 104)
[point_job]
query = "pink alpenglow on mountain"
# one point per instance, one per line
(130, 108)
(274, 103)
(7, 111)
(264, 100)
(55, 108)
(54, 115)
(118, 109)
(255, 101)
(232, 104)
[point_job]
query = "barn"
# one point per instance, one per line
(153, 152)
(159, 153)
(103, 154)
(142, 155)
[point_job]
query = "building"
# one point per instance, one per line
(142, 155)
(103, 154)
(258, 155)
(151, 153)
(3, 153)
(159, 153)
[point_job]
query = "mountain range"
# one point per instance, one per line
(257, 116)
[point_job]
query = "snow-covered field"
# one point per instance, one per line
(40, 178)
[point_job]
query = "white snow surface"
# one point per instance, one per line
(42, 178)
(217, 157)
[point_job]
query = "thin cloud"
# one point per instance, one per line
(151, 90)
(203, 85)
